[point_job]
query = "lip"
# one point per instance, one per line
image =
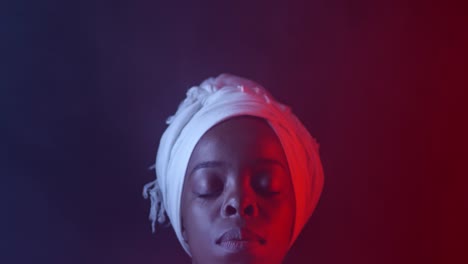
(240, 239)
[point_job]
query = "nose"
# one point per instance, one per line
(240, 204)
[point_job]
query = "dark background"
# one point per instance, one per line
(86, 88)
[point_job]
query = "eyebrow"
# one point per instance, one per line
(208, 164)
(272, 161)
(217, 164)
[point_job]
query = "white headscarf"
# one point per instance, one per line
(214, 101)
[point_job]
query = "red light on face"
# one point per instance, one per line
(238, 200)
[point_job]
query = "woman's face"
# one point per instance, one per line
(238, 202)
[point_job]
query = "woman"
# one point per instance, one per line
(238, 175)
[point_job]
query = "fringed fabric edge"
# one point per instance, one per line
(157, 211)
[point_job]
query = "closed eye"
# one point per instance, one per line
(207, 183)
(266, 183)
(268, 193)
(208, 195)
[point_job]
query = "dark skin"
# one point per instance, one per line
(238, 202)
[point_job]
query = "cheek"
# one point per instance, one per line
(283, 212)
(199, 218)
(281, 216)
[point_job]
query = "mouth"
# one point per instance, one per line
(238, 239)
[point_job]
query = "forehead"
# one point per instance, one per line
(237, 141)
